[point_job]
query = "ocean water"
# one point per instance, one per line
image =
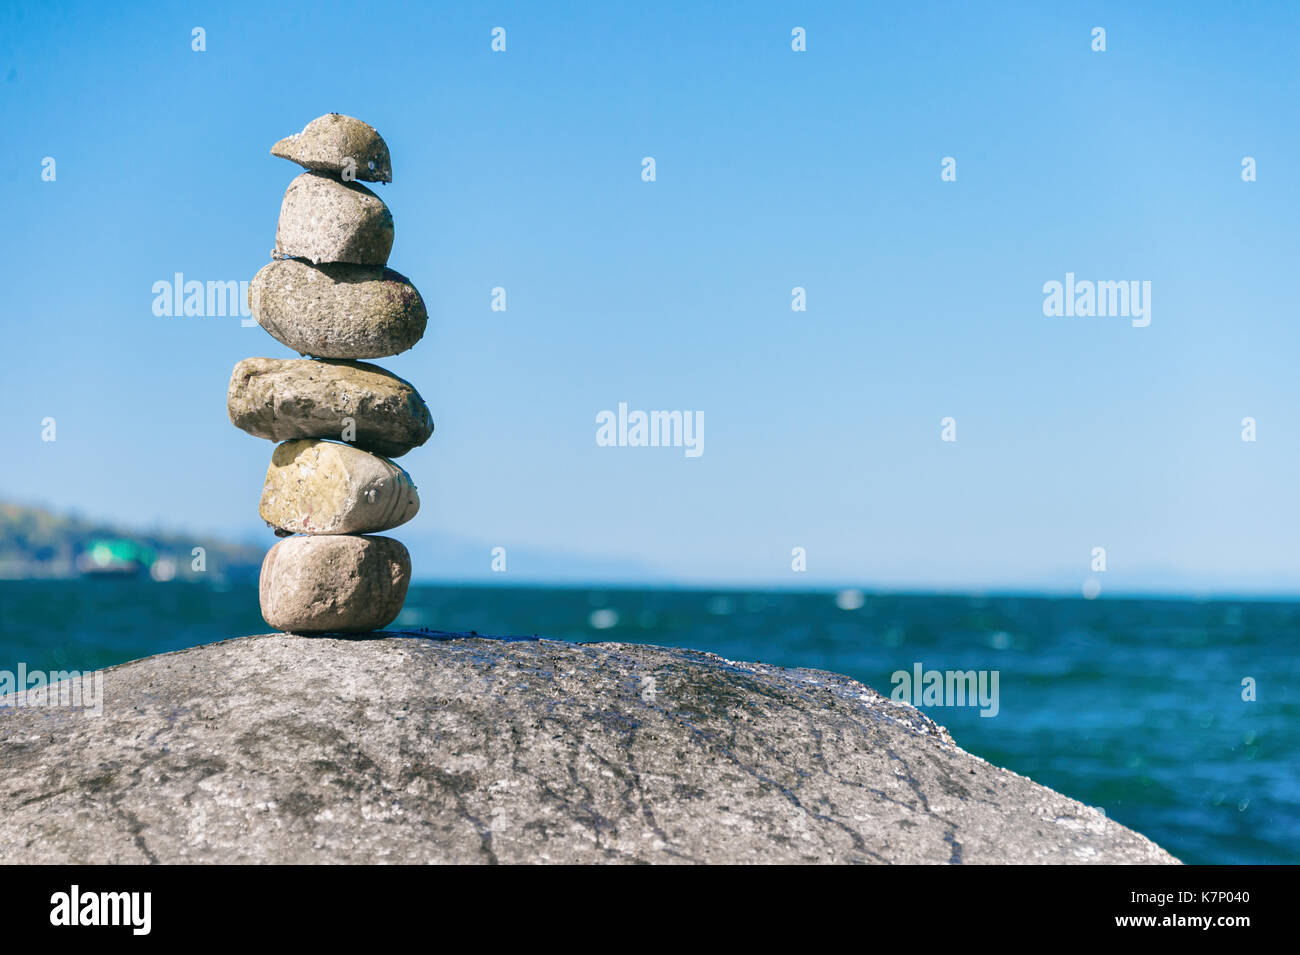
(1131, 705)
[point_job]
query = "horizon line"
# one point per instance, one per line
(865, 589)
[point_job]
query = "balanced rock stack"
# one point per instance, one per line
(329, 295)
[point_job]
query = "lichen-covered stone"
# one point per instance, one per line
(446, 748)
(338, 144)
(337, 310)
(318, 487)
(285, 398)
(334, 584)
(325, 220)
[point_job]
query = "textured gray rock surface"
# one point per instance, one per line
(281, 399)
(325, 220)
(429, 748)
(337, 310)
(318, 487)
(335, 583)
(337, 143)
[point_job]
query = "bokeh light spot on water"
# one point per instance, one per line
(720, 606)
(850, 599)
(603, 619)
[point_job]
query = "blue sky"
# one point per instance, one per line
(775, 169)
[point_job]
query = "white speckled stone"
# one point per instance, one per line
(325, 220)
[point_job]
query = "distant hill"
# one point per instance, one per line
(36, 543)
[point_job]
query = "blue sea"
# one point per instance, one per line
(1132, 705)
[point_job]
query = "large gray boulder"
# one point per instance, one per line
(446, 748)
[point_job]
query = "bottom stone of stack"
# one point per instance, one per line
(338, 584)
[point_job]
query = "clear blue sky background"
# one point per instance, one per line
(775, 169)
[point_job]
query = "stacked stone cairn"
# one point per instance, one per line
(328, 295)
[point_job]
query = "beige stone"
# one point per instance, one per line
(339, 144)
(318, 487)
(283, 399)
(337, 310)
(325, 220)
(334, 584)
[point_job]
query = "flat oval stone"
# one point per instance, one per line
(285, 398)
(318, 487)
(325, 220)
(337, 310)
(340, 584)
(337, 143)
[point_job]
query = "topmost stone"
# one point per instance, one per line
(339, 144)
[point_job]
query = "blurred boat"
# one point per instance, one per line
(114, 557)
